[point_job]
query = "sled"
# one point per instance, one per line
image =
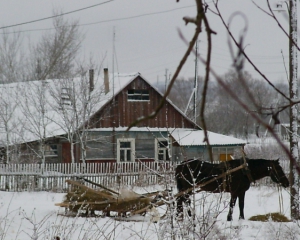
(85, 201)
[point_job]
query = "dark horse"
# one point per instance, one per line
(194, 172)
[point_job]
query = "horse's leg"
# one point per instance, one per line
(188, 204)
(183, 199)
(231, 206)
(241, 197)
(179, 206)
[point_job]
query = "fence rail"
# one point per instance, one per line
(53, 176)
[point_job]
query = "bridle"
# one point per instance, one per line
(273, 172)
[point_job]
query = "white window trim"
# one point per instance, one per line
(132, 140)
(156, 147)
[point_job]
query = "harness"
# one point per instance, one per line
(246, 170)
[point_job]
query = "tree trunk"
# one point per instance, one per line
(294, 181)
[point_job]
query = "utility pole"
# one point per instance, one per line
(113, 66)
(195, 89)
(293, 82)
(166, 79)
(196, 84)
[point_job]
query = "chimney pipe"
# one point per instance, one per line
(91, 76)
(106, 80)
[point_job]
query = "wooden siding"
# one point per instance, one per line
(102, 146)
(66, 152)
(121, 112)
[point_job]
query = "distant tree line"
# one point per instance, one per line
(223, 114)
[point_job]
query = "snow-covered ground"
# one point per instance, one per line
(33, 215)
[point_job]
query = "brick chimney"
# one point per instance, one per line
(106, 80)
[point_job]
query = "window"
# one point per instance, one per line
(223, 154)
(51, 150)
(65, 97)
(162, 149)
(138, 95)
(126, 149)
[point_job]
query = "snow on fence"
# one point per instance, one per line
(52, 176)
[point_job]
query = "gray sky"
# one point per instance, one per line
(147, 40)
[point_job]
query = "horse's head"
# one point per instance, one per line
(277, 174)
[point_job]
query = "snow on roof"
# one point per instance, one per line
(191, 137)
(34, 110)
(184, 136)
(41, 109)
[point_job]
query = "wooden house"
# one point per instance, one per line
(86, 119)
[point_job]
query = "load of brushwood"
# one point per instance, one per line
(85, 200)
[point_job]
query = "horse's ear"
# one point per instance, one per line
(277, 160)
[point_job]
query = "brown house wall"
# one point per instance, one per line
(121, 112)
(66, 152)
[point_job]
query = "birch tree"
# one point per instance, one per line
(37, 116)
(201, 23)
(75, 101)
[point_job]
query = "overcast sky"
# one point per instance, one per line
(146, 33)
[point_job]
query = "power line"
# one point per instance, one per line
(137, 16)
(93, 23)
(58, 15)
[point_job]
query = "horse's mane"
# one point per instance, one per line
(237, 162)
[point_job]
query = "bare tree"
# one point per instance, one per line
(256, 94)
(54, 55)
(11, 57)
(8, 124)
(236, 46)
(36, 116)
(75, 100)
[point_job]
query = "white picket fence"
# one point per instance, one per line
(52, 177)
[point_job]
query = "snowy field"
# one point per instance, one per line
(33, 215)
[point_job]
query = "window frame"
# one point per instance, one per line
(65, 96)
(51, 150)
(167, 150)
(224, 151)
(132, 149)
(138, 95)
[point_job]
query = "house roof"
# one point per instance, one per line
(33, 110)
(184, 136)
(192, 137)
(36, 109)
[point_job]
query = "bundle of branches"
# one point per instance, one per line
(84, 198)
